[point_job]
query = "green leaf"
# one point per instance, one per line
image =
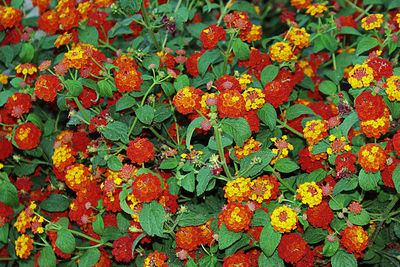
(188, 182)
(343, 259)
(119, 30)
(105, 88)
(181, 82)
(98, 225)
(239, 129)
(209, 57)
(89, 258)
(314, 235)
(152, 218)
(114, 163)
(111, 233)
(9, 194)
(162, 113)
(27, 53)
(125, 102)
(226, 140)
(4, 233)
(359, 219)
(330, 248)
(296, 111)
(317, 175)
(329, 42)
(168, 88)
(116, 131)
(349, 30)
(263, 156)
(345, 185)
(74, 87)
(269, 73)
(6, 54)
(269, 239)
(348, 122)
(227, 238)
(89, 35)
(274, 260)
(148, 61)
(35, 119)
(122, 200)
(327, 87)
(396, 178)
(65, 241)
(123, 222)
(365, 44)
(241, 49)
(267, 115)
(207, 261)
(307, 83)
(369, 180)
(203, 179)
(320, 147)
(169, 163)
(131, 7)
(286, 165)
(145, 114)
(4, 96)
(47, 257)
(190, 130)
(55, 203)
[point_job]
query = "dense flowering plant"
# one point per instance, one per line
(199, 133)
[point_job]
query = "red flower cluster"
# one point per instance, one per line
(27, 136)
(140, 150)
(292, 248)
(146, 187)
(211, 35)
(46, 87)
(320, 215)
(237, 217)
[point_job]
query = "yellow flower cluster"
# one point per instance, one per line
(254, 34)
(77, 176)
(338, 145)
(62, 157)
(309, 193)
(63, 39)
(254, 98)
(393, 88)
(316, 10)
(282, 148)
(361, 76)
(238, 189)
(25, 218)
(372, 21)
(306, 68)
(23, 246)
(283, 219)
(3, 78)
(299, 37)
(315, 130)
(249, 146)
(26, 69)
(244, 80)
(260, 190)
(281, 51)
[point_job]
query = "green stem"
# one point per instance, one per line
(385, 217)
(148, 27)
(281, 180)
(105, 44)
(290, 128)
(223, 12)
(81, 109)
(7, 259)
(90, 238)
(161, 137)
(218, 139)
(177, 6)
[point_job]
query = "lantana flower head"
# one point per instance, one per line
(281, 51)
(237, 217)
(372, 157)
(309, 193)
(238, 190)
(230, 104)
(298, 37)
(18, 104)
(338, 145)
(292, 247)
(264, 189)
(157, 259)
(211, 35)
(78, 177)
(284, 219)
(187, 99)
(372, 21)
(299, 4)
(316, 10)
(147, 187)
(23, 246)
(249, 146)
(369, 106)
(392, 87)
(227, 83)
(376, 128)
(354, 239)
(282, 148)
(315, 131)
(320, 215)
(140, 150)
(361, 76)
(46, 87)
(27, 136)
(188, 238)
(254, 98)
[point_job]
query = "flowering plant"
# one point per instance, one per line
(171, 133)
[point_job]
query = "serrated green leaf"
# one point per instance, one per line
(365, 44)
(145, 114)
(152, 218)
(241, 49)
(296, 111)
(269, 239)
(239, 129)
(226, 237)
(65, 241)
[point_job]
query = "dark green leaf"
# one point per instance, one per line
(89, 258)
(296, 111)
(329, 42)
(320, 147)
(125, 102)
(6, 54)
(131, 7)
(286, 165)
(4, 233)
(27, 53)
(349, 30)
(47, 257)
(269, 73)
(111, 233)
(396, 178)
(162, 113)
(188, 182)
(360, 219)
(105, 88)
(209, 57)
(89, 35)
(317, 175)
(241, 49)
(330, 248)
(345, 185)
(55, 203)
(98, 225)
(343, 259)
(269, 239)
(327, 87)
(260, 218)
(145, 114)
(168, 88)
(315, 235)
(190, 130)
(181, 81)
(239, 129)
(65, 241)
(365, 44)
(123, 222)
(169, 163)
(152, 218)
(249, 168)
(114, 163)
(203, 178)
(348, 122)
(274, 260)
(369, 180)
(74, 87)
(116, 131)
(9, 194)
(227, 238)
(226, 140)
(267, 114)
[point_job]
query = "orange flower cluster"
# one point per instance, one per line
(190, 237)
(9, 17)
(211, 35)
(156, 259)
(372, 157)
(27, 136)
(231, 104)
(355, 240)
(187, 100)
(46, 87)
(315, 131)
(249, 146)
(146, 187)
(248, 32)
(237, 217)
(140, 150)
(127, 78)
(77, 177)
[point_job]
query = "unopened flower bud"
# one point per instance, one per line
(340, 215)
(331, 238)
